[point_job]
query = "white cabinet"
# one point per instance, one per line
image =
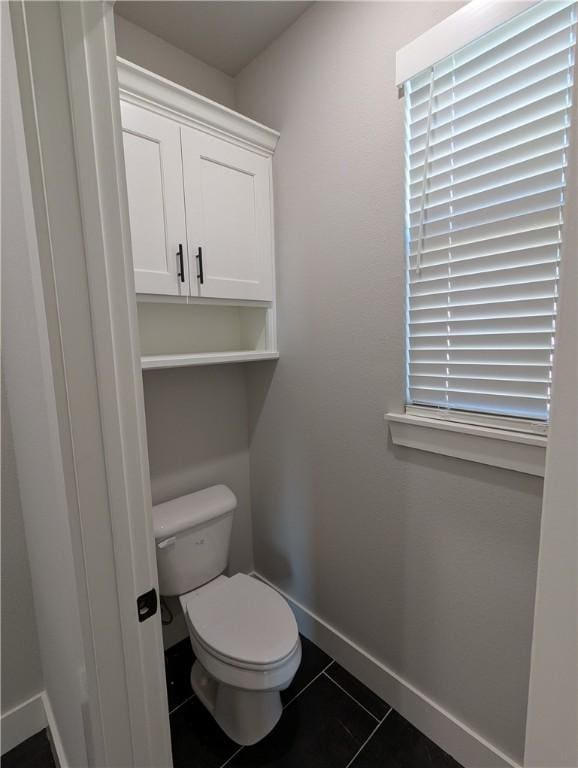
(200, 193)
(228, 211)
(200, 201)
(152, 152)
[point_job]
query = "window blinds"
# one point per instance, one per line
(487, 133)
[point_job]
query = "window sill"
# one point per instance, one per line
(517, 451)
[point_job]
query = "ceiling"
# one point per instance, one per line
(226, 35)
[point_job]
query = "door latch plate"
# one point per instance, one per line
(147, 604)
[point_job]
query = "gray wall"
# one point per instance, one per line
(21, 666)
(153, 53)
(426, 562)
(197, 436)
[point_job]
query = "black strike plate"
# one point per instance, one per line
(147, 604)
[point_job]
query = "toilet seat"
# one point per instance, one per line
(238, 664)
(242, 622)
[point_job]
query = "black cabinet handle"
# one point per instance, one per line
(181, 273)
(199, 258)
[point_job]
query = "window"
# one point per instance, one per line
(487, 137)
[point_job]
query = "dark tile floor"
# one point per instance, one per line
(35, 752)
(330, 720)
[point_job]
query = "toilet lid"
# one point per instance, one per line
(244, 620)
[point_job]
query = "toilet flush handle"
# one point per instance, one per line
(167, 542)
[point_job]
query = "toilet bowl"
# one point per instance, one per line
(247, 650)
(243, 633)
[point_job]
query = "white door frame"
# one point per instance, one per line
(552, 721)
(66, 62)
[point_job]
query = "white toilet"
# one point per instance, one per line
(243, 633)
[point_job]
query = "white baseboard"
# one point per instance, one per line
(22, 721)
(456, 738)
(29, 718)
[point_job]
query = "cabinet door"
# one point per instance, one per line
(228, 207)
(152, 152)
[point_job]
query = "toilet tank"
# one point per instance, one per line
(192, 535)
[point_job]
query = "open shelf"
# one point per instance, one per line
(208, 358)
(176, 335)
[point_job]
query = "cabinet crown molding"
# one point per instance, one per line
(156, 93)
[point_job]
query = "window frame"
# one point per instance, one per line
(465, 434)
(479, 419)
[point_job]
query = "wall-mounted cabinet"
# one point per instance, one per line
(200, 198)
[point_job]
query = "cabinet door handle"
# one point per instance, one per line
(199, 258)
(181, 273)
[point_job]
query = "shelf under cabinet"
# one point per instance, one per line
(178, 335)
(150, 362)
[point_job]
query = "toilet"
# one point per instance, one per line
(243, 633)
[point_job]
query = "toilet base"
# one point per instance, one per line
(245, 716)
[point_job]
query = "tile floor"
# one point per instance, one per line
(35, 752)
(330, 720)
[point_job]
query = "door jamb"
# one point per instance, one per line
(81, 221)
(552, 717)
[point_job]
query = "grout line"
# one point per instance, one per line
(228, 760)
(174, 709)
(368, 739)
(359, 704)
(308, 684)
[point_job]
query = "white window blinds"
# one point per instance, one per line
(487, 133)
